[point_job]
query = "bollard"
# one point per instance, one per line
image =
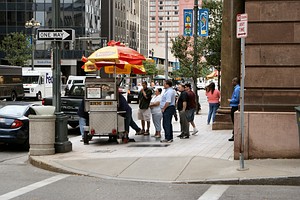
(42, 131)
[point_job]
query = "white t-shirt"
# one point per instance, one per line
(155, 109)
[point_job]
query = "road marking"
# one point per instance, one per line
(32, 187)
(214, 192)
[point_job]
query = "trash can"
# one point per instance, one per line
(42, 131)
(298, 118)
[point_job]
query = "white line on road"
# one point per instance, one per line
(214, 192)
(32, 187)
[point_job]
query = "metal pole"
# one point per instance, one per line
(166, 52)
(62, 144)
(33, 48)
(242, 166)
(195, 34)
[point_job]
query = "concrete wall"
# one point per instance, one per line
(272, 57)
(267, 135)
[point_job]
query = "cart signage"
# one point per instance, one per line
(93, 93)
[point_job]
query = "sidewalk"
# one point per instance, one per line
(205, 158)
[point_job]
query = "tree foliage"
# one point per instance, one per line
(150, 68)
(207, 47)
(17, 48)
(213, 41)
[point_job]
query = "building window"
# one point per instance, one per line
(176, 12)
(152, 18)
(161, 2)
(160, 8)
(161, 18)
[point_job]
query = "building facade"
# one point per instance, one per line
(166, 15)
(95, 22)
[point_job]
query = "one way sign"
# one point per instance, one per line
(56, 34)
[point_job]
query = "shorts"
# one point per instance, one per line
(190, 114)
(144, 114)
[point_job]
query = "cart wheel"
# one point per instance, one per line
(86, 137)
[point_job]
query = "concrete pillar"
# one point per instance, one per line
(42, 131)
(230, 61)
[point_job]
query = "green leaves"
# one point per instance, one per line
(17, 48)
(208, 48)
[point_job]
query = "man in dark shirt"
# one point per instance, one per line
(123, 106)
(144, 112)
(191, 107)
(181, 107)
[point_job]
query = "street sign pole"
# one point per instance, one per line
(242, 24)
(62, 145)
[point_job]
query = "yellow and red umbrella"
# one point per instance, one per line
(121, 68)
(116, 51)
(115, 58)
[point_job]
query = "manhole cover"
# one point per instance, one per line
(148, 145)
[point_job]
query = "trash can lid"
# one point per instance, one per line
(44, 110)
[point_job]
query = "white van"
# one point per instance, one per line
(76, 80)
(37, 83)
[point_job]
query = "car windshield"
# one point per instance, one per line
(13, 110)
(30, 79)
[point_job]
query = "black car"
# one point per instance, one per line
(133, 94)
(14, 124)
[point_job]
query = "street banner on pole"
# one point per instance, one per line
(203, 18)
(188, 22)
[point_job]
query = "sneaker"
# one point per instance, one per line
(185, 137)
(195, 131)
(157, 136)
(138, 132)
(231, 139)
(180, 135)
(166, 141)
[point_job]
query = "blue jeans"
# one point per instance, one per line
(213, 107)
(82, 123)
(167, 122)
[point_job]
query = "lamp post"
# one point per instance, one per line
(33, 24)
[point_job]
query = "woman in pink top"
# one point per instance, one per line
(213, 98)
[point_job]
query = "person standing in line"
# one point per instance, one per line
(156, 112)
(182, 109)
(83, 118)
(144, 113)
(234, 101)
(167, 105)
(191, 107)
(213, 98)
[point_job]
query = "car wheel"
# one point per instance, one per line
(86, 137)
(13, 96)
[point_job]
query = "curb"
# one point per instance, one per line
(281, 180)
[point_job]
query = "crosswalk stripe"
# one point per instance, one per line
(32, 187)
(214, 192)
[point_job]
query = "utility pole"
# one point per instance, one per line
(195, 59)
(62, 145)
